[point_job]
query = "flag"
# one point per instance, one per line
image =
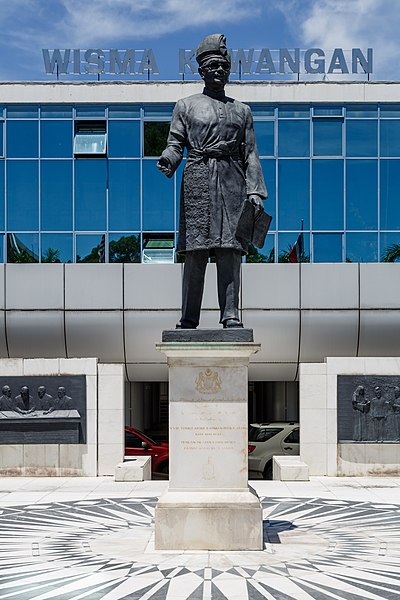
(297, 249)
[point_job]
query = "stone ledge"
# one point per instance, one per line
(289, 468)
(134, 469)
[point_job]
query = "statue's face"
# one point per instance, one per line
(6, 391)
(41, 391)
(61, 392)
(215, 73)
(378, 392)
(25, 392)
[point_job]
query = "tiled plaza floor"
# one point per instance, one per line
(92, 539)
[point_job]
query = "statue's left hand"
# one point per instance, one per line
(257, 202)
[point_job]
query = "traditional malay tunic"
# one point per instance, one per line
(222, 169)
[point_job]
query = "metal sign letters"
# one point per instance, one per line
(250, 61)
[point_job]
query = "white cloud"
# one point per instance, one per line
(80, 23)
(349, 24)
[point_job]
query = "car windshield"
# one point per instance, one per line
(262, 434)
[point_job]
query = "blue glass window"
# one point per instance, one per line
(92, 110)
(266, 254)
(56, 195)
(264, 131)
(390, 247)
(124, 111)
(294, 194)
(90, 138)
(294, 138)
(362, 247)
(269, 170)
(286, 241)
(362, 194)
(56, 248)
(362, 138)
(158, 110)
(90, 248)
(124, 248)
(124, 195)
(262, 110)
(90, 194)
(123, 138)
(390, 138)
(1, 138)
(22, 247)
(390, 110)
(327, 247)
(327, 137)
(361, 110)
(22, 195)
(2, 207)
(158, 199)
(22, 111)
(294, 110)
(22, 139)
(390, 194)
(1, 248)
(53, 111)
(56, 139)
(328, 111)
(327, 194)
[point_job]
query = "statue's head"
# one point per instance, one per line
(378, 391)
(41, 391)
(214, 61)
(25, 391)
(61, 392)
(6, 390)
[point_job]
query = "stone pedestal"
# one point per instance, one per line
(209, 505)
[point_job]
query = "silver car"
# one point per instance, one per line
(270, 439)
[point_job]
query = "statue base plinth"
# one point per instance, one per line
(209, 505)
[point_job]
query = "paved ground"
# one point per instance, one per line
(92, 539)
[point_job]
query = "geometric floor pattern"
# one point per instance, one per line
(315, 549)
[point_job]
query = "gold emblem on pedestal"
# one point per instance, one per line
(208, 382)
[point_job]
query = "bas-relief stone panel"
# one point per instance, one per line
(368, 408)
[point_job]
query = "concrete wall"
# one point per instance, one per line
(318, 421)
(105, 422)
(170, 91)
(300, 313)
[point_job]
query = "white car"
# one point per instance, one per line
(271, 439)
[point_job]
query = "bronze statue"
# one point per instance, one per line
(222, 170)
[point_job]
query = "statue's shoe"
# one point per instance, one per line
(185, 325)
(229, 323)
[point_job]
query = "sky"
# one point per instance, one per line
(27, 26)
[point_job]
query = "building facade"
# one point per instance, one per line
(88, 229)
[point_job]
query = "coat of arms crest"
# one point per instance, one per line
(208, 382)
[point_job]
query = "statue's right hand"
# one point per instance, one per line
(164, 166)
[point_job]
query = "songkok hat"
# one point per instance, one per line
(214, 44)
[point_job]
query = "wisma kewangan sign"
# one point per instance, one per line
(72, 61)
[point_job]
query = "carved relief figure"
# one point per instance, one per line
(44, 401)
(392, 429)
(63, 402)
(361, 407)
(222, 170)
(378, 412)
(24, 402)
(6, 402)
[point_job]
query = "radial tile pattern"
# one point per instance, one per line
(103, 549)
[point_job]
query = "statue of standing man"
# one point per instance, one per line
(222, 170)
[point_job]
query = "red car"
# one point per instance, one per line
(138, 444)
